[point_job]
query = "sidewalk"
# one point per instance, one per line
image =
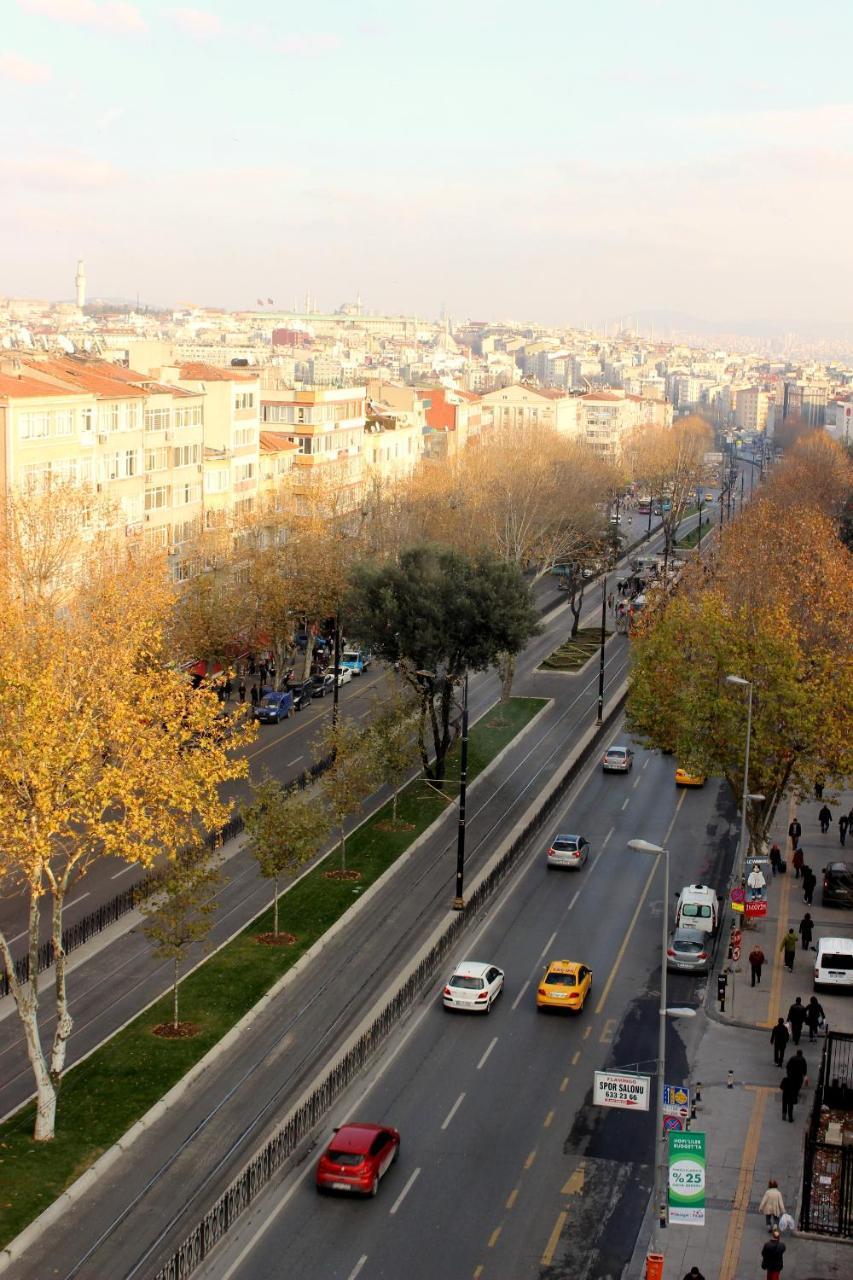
(747, 1140)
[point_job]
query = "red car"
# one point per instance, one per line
(357, 1157)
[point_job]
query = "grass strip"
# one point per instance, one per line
(575, 652)
(690, 539)
(108, 1092)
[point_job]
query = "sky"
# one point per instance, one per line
(559, 161)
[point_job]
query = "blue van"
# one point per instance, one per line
(274, 706)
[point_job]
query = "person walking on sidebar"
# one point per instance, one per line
(824, 817)
(779, 1038)
(771, 1255)
(775, 859)
(797, 860)
(789, 946)
(790, 1092)
(809, 882)
(794, 833)
(843, 824)
(814, 1017)
(756, 960)
(694, 1274)
(772, 1205)
(796, 1017)
(797, 1070)
(806, 930)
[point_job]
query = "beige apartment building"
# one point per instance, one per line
(606, 418)
(327, 426)
(752, 405)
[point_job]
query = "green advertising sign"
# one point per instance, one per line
(687, 1179)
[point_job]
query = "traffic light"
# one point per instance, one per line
(722, 982)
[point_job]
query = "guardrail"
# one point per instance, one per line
(283, 1144)
(94, 922)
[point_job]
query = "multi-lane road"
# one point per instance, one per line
(506, 1170)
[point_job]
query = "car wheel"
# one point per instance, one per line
(488, 1007)
(396, 1155)
(375, 1187)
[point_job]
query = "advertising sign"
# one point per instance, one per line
(621, 1089)
(687, 1179)
(755, 908)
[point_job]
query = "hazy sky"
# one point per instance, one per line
(557, 159)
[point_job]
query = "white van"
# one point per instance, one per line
(833, 966)
(698, 907)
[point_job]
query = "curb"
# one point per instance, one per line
(35, 1229)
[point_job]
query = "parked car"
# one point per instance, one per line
(302, 692)
(473, 986)
(698, 907)
(617, 760)
(837, 885)
(689, 951)
(357, 660)
(568, 851)
(833, 966)
(357, 1158)
(274, 707)
(344, 675)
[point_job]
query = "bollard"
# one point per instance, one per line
(697, 1097)
(654, 1266)
(730, 1080)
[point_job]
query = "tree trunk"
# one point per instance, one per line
(343, 848)
(309, 653)
(175, 994)
(394, 806)
(275, 905)
(26, 1002)
(506, 670)
(575, 606)
(63, 1017)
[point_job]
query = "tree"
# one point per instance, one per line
(285, 830)
(208, 612)
(181, 913)
(395, 745)
(105, 749)
(439, 614)
(352, 774)
(670, 463)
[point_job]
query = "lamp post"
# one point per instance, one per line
(459, 900)
(600, 715)
(643, 846)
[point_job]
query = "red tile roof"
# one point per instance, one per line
(14, 387)
(86, 378)
(276, 442)
(195, 371)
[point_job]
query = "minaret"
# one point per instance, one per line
(80, 283)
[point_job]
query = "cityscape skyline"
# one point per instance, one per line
(581, 166)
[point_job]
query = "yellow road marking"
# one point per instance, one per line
(548, 1119)
(577, 1054)
(575, 1182)
(740, 1205)
(554, 1239)
(493, 1238)
(512, 1197)
(529, 1161)
(478, 1271)
(778, 963)
(613, 972)
(564, 1086)
(607, 1031)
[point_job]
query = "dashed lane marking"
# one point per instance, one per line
(554, 1239)
(607, 1030)
(549, 943)
(529, 1161)
(406, 1189)
(482, 1061)
(548, 1120)
(576, 1057)
(626, 802)
(452, 1112)
(512, 1197)
(606, 841)
(357, 1268)
(493, 1238)
(586, 1033)
(636, 782)
(518, 999)
(564, 1086)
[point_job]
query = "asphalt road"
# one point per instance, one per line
(506, 1170)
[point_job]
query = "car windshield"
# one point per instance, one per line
(269, 700)
(345, 1157)
(467, 984)
(696, 910)
(350, 655)
(836, 960)
(560, 979)
(617, 753)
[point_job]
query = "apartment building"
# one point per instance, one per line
(606, 418)
(523, 406)
(752, 406)
(327, 426)
(455, 419)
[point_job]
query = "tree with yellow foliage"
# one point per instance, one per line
(670, 463)
(105, 750)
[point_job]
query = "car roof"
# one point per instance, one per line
(563, 966)
(698, 891)
(839, 866)
(685, 934)
(835, 944)
(355, 1137)
(618, 746)
(471, 969)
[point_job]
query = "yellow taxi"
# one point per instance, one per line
(565, 984)
(689, 778)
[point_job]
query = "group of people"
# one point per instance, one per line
(845, 822)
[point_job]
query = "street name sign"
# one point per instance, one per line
(622, 1089)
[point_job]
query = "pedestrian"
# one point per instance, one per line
(772, 1205)
(254, 695)
(610, 602)
(756, 960)
(796, 1017)
(798, 1070)
(241, 690)
(271, 671)
(806, 930)
(228, 687)
(789, 1097)
(775, 859)
(809, 882)
(795, 831)
(843, 824)
(779, 1038)
(694, 1274)
(789, 946)
(771, 1255)
(756, 883)
(824, 817)
(814, 1017)
(262, 672)
(818, 788)
(797, 862)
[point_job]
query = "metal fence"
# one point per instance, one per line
(299, 1124)
(94, 922)
(827, 1205)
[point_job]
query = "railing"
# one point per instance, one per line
(827, 1204)
(94, 922)
(284, 1143)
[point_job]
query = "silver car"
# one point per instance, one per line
(568, 851)
(617, 760)
(689, 951)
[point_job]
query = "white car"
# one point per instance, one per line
(344, 675)
(473, 987)
(568, 851)
(618, 759)
(833, 966)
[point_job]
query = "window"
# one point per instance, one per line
(244, 400)
(243, 471)
(108, 418)
(243, 436)
(303, 443)
(157, 419)
(63, 422)
(216, 481)
(34, 425)
(190, 416)
(156, 459)
(87, 419)
(184, 494)
(187, 455)
(130, 462)
(158, 498)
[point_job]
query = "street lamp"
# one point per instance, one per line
(600, 716)
(459, 900)
(643, 846)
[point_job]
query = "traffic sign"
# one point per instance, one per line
(622, 1089)
(672, 1124)
(738, 893)
(676, 1095)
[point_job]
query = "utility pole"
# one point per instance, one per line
(600, 716)
(459, 900)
